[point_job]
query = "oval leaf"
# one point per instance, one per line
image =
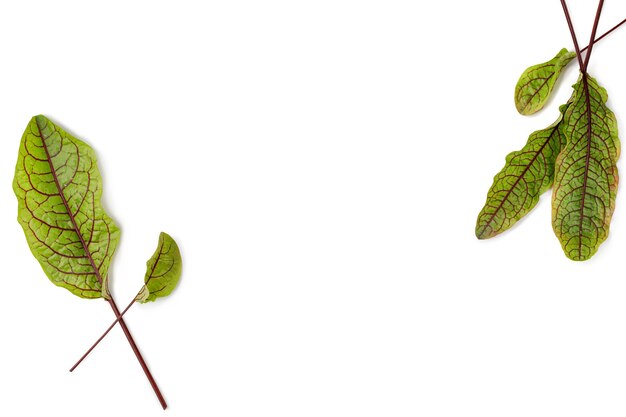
(585, 181)
(536, 83)
(527, 173)
(58, 188)
(163, 270)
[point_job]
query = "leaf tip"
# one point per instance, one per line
(521, 107)
(483, 232)
(40, 119)
(579, 257)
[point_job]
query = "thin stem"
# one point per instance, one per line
(143, 364)
(103, 335)
(133, 345)
(573, 33)
(593, 35)
(604, 35)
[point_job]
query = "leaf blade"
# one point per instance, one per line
(526, 175)
(586, 174)
(58, 187)
(535, 85)
(163, 270)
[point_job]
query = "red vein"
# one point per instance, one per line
(67, 207)
(587, 157)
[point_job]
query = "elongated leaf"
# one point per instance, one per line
(58, 188)
(585, 181)
(526, 174)
(536, 83)
(163, 270)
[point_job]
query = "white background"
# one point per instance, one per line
(321, 164)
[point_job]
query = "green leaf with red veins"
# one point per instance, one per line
(526, 174)
(58, 189)
(163, 270)
(585, 181)
(536, 83)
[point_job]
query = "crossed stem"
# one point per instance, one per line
(135, 349)
(121, 321)
(583, 65)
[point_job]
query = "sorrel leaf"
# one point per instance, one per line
(163, 270)
(58, 188)
(526, 174)
(586, 178)
(536, 83)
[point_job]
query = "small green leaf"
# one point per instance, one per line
(536, 83)
(526, 174)
(585, 181)
(163, 270)
(58, 188)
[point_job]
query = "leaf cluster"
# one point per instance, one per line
(576, 156)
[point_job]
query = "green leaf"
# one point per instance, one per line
(536, 83)
(585, 182)
(163, 270)
(58, 188)
(526, 174)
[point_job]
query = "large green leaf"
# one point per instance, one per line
(526, 174)
(163, 270)
(536, 83)
(58, 188)
(585, 182)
